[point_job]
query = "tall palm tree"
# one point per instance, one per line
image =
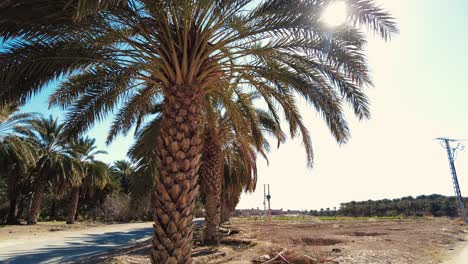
(240, 122)
(219, 137)
(240, 175)
(92, 174)
(54, 162)
(137, 51)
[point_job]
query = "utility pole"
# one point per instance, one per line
(268, 197)
(451, 151)
(264, 200)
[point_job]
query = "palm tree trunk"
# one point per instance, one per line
(211, 174)
(53, 209)
(36, 200)
(180, 146)
(21, 205)
(11, 220)
(13, 197)
(224, 211)
(73, 206)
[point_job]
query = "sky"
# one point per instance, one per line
(420, 93)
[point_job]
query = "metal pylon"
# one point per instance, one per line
(456, 186)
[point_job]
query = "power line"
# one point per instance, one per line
(451, 153)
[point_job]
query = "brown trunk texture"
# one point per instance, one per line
(53, 209)
(180, 146)
(211, 174)
(36, 200)
(13, 197)
(11, 220)
(21, 205)
(73, 206)
(225, 214)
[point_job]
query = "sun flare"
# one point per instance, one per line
(335, 14)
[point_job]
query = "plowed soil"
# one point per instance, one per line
(373, 241)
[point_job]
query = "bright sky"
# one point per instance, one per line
(420, 93)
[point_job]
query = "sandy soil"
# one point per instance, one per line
(371, 241)
(30, 231)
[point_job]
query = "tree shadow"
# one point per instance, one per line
(75, 248)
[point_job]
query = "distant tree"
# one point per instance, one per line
(123, 171)
(17, 156)
(92, 174)
(55, 162)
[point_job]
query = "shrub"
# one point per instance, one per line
(116, 208)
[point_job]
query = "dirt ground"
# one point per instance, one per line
(370, 241)
(26, 231)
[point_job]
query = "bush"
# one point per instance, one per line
(142, 208)
(119, 207)
(116, 208)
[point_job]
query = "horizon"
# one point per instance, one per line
(419, 94)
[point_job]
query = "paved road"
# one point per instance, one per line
(68, 246)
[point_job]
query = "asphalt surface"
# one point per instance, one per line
(70, 246)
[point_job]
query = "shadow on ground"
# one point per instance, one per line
(75, 248)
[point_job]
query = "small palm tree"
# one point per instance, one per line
(92, 174)
(139, 51)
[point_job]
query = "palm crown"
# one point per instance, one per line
(135, 51)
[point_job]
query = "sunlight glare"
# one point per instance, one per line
(335, 14)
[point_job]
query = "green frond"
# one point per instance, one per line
(28, 67)
(124, 57)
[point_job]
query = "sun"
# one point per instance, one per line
(335, 14)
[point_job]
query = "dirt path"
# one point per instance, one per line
(460, 256)
(67, 246)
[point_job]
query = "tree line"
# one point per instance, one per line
(422, 205)
(44, 176)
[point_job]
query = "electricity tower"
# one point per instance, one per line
(451, 153)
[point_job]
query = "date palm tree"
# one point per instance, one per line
(16, 155)
(246, 128)
(92, 174)
(123, 171)
(126, 54)
(240, 122)
(240, 175)
(55, 162)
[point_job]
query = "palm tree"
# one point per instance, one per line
(240, 122)
(123, 171)
(16, 154)
(177, 52)
(93, 174)
(240, 175)
(54, 162)
(245, 131)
